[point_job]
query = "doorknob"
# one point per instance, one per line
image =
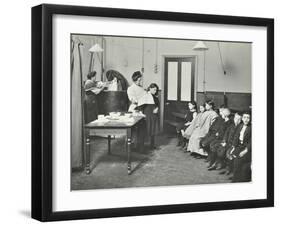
(167, 103)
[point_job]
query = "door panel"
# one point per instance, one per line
(172, 88)
(186, 81)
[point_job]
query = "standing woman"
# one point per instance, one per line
(92, 89)
(137, 95)
(151, 112)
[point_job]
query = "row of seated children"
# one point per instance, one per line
(222, 138)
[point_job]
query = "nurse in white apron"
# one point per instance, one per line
(137, 95)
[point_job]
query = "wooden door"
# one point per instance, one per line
(178, 88)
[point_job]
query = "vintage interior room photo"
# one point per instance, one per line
(149, 111)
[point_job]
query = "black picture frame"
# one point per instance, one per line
(42, 111)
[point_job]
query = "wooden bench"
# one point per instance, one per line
(179, 115)
(177, 120)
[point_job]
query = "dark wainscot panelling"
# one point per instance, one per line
(217, 97)
(239, 101)
(235, 101)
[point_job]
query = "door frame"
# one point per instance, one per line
(175, 58)
(195, 78)
(165, 79)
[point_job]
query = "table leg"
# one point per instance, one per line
(128, 147)
(87, 168)
(109, 144)
(140, 135)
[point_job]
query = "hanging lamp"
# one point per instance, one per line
(94, 49)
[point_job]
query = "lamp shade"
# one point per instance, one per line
(200, 45)
(96, 49)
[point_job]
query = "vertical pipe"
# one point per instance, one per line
(156, 57)
(204, 75)
(142, 59)
(91, 61)
(102, 59)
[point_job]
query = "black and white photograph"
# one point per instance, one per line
(117, 112)
(153, 111)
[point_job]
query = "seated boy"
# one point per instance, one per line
(223, 146)
(242, 150)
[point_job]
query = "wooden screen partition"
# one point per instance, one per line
(113, 101)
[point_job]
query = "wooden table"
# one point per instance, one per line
(111, 128)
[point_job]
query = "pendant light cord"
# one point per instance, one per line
(224, 72)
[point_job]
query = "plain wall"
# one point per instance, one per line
(126, 56)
